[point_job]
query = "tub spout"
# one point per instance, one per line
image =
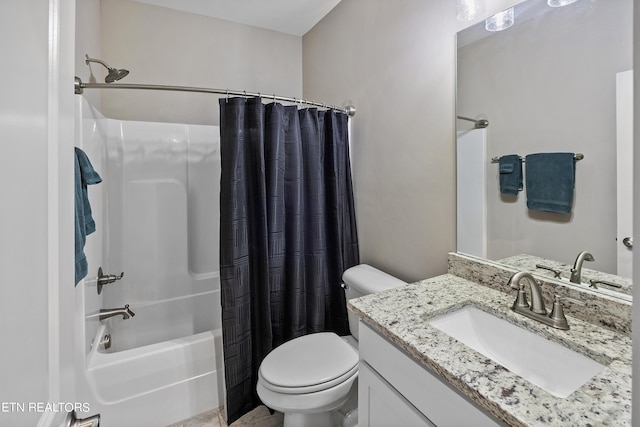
(105, 313)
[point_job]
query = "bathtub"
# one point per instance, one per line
(156, 221)
(177, 375)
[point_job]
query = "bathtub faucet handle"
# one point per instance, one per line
(105, 279)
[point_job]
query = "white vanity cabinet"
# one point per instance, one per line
(395, 390)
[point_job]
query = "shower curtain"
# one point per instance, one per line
(287, 233)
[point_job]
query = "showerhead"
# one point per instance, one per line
(114, 74)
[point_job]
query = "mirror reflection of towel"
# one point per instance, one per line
(550, 180)
(84, 224)
(510, 167)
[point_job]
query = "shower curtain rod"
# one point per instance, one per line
(350, 110)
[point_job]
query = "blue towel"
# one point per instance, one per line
(550, 179)
(510, 167)
(84, 223)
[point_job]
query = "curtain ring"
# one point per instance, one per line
(245, 96)
(227, 101)
(274, 98)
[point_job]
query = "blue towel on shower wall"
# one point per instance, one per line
(84, 224)
(510, 167)
(550, 180)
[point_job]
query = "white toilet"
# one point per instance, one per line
(313, 379)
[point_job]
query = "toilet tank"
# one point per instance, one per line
(363, 280)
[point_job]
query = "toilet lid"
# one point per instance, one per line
(309, 360)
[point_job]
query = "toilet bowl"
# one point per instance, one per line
(313, 379)
(307, 378)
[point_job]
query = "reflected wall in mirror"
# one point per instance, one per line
(548, 84)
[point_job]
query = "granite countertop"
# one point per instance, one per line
(401, 315)
(529, 263)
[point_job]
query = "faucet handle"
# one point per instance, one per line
(556, 273)
(595, 282)
(570, 299)
(104, 279)
(521, 299)
(557, 312)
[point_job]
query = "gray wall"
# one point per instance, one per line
(89, 41)
(549, 85)
(395, 61)
(163, 46)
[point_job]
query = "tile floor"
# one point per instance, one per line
(259, 417)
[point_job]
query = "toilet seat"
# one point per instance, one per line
(308, 364)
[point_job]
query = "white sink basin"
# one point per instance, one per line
(548, 365)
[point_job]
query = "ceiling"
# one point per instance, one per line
(287, 16)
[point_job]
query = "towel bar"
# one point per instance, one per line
(578, 156)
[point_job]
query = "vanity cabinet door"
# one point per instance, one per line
(380, 405)
(423, 390)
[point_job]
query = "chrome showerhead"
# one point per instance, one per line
(114, 74)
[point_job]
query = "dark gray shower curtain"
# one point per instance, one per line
(287, 233)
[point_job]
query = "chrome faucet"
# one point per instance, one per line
(576, 271)
(105, 313)
(537, 310)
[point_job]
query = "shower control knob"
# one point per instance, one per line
(104, 279)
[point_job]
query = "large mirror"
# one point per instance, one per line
(558, 80)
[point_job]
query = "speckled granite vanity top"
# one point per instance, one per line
(532, 264)
(401, 315)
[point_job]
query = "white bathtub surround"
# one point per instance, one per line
(471, 197)
(159, 225)
(401, 316)
(165, 320)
